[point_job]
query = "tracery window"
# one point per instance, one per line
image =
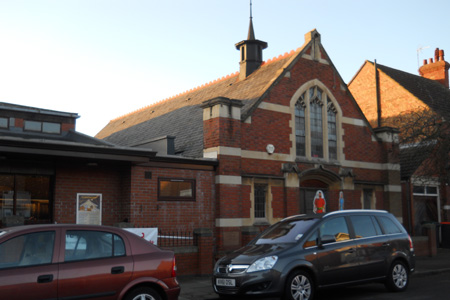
(316, 125)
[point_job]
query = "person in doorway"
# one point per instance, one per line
(319, 203)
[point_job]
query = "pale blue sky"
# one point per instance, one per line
(105, 58)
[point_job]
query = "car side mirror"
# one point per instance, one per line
(327, 239)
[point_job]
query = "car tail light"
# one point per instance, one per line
(174, 268)
(411, 246)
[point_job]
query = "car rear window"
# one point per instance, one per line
(285, 232)
(389, 225)
(85, 244)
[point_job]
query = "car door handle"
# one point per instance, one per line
(386, 244)
(117, 270)
(351, 250)
(45, 278)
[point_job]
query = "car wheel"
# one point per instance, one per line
(299, 286)
(143, 293)
(398, 277)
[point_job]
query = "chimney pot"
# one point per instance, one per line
(430, 60)
(424, 62)
(441, 55)
(436, 54)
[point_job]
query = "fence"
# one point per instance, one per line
(176, 239)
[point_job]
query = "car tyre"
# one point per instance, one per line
(299, 286)
(398, 277)
(143, 293)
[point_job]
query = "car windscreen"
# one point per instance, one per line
(285, 231)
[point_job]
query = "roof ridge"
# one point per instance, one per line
(269, 61)
(178, 95)
(279, 57)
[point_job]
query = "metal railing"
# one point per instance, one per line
(176, 239)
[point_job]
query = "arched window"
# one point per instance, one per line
(316, 125)
(300, 126)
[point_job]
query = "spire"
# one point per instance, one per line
(251, 32)
(251, 51)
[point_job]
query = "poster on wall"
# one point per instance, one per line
(89, 209)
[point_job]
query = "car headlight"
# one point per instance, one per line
(262, 264)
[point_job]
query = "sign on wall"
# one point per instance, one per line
(89, 209)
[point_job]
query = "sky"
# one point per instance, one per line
(106, 58)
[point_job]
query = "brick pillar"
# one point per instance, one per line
(205, 245)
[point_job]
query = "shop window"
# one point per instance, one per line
(25, 196)
(176, 189)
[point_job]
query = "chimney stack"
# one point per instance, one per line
(437, 69)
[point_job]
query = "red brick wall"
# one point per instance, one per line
(146, 210)
(71, 180)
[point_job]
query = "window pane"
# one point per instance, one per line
(368, 195)
(260, 200)
(83, 245)
(3, 122)
(332, 137)
(363, 226)
(389, 226)
(418, 189)
(6, 196)
(431, 190)
(33, 126)
(336, 227)
(27, 250)
(180, 189)
(51, 127)
(300, 129)
(316, 130)
(33, 198)
(119, 246)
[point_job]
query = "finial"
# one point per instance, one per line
(251, 9)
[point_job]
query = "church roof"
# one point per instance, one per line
(182, 116)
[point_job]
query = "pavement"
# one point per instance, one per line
(200, 287)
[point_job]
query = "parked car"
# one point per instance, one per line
(83, 262)
(300, 254)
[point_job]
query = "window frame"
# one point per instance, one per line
(42, 126)
(192, 197)
(316, 92)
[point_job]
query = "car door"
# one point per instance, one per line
(337, 260)
(28, 266)
(95, 265)
(372, 246)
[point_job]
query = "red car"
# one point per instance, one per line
(83, 262)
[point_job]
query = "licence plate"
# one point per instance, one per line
(225, 282)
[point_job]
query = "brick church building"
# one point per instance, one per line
(284, 133)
